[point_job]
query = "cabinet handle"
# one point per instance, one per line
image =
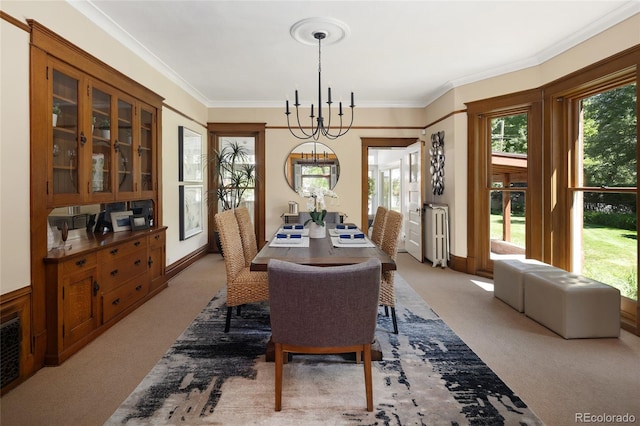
(114, 272)
(137, 243)
(81, 262)
(115, 146)
(96, 287)
(116, 302)
(139, 287)
(114, 252)
(150, 261)
(83, 138)
(157, 237)
(139, 151)
(137, 262)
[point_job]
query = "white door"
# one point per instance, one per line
(413, 200)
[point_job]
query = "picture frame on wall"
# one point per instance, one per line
(191, 203)
(189, 155)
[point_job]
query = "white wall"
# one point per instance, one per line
(15, 261)
(177, 249)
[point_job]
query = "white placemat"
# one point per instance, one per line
(286, 242)
(365, 243)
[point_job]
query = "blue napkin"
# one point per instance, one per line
(295, 226)
(349, 236)
(285, 236)
(346, 226)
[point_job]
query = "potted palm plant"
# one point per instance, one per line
(234, 176)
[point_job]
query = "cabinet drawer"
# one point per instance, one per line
(121, 250)
(116, 301)
(78, 264)
(157, 239)
(115, 272)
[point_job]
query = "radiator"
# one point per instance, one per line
(10, 357)
(436, 234)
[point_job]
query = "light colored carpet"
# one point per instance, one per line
(557, 378)
(427, 376)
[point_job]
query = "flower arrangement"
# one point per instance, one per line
(316, 204)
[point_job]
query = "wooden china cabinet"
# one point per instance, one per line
(95, 140)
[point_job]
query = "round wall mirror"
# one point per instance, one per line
(312, 164)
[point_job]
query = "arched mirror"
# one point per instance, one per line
(312, 164)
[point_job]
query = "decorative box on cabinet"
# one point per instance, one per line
(108, 277)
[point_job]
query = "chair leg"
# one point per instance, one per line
(368, 382)
(278, 366)
(228, 322)
(395, 321)
(386, 311)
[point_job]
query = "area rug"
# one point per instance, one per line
(428, 376)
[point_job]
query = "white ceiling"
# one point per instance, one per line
(398, 54)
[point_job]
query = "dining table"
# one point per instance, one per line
(328, 251)
(320, 252)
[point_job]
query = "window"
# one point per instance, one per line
(504, 179)
(508, 184)
(604, 188)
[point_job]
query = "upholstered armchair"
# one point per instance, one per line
(323, 310)
(243, 285)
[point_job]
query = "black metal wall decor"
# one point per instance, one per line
(437, 162)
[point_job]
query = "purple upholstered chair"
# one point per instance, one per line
(323, 310)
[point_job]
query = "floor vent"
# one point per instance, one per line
(10, 356)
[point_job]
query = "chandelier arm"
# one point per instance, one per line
(306, 136)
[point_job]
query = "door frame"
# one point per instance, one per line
(367, 143)
(257, 131)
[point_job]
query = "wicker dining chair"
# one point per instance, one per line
(323, 310)
(378, 225)
(392, 226)
(243, 285)
(247, 234)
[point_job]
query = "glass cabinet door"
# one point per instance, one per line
(145, 150)
(67, 139)
(101, 143)
(124, 147)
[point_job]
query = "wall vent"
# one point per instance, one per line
(10, 357)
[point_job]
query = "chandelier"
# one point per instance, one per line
(320, 124)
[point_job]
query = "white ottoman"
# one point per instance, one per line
(508, 279)
(571, 305)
